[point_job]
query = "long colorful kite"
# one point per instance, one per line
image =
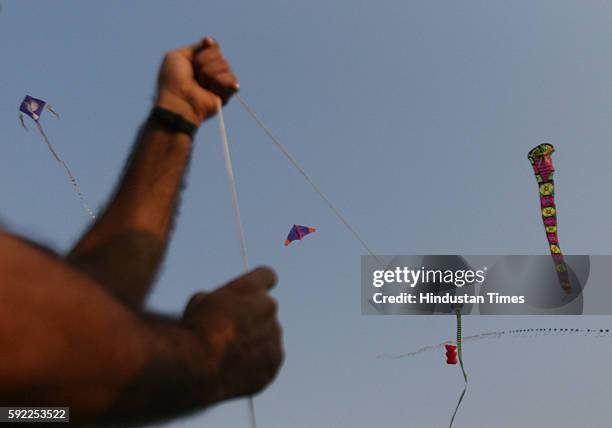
(541, 160)
(34, 108)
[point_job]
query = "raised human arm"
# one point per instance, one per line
(125, 246)
(67, 342)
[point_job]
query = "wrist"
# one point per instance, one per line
(191, 360)
(178, 105)
(172, 122)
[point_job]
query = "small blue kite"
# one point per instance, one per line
(34, 108)
(298, 232)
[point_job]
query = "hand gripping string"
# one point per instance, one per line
(232, 184)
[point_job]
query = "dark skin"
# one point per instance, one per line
(73, 330)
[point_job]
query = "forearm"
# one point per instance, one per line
(124, 248)
(179, 377)
(155, 376)
(66, 341)
(157, 380)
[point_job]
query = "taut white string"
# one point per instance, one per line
(295, 163)
(232, 183)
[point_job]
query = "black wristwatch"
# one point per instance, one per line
(172, 121)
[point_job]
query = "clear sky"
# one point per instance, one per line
(414, 117)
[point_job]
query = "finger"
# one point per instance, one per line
(213, 68)
(205, 55)
(223, 85)
(275, 348)
(216, 77)
(262, 305)
(213, 72)
(195, 301)
(270, 356)
(226, 80)
(262, 277)
(192, 51)
(209, 41)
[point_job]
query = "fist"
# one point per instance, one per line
(195, 80)
(238, 327)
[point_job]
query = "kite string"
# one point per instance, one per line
(68, 172)
(459, 344)
(232, 184)
(517, 333)
(294, 162)
(301, 170)
(459, 354)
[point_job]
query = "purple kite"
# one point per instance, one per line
(298, 232)
(33, 108)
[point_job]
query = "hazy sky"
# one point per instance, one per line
(414, 117)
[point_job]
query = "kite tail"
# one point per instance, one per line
(68, 172)
(51, 149)
(232, 183)
(53, 112)
(458, 312)
(23, 122)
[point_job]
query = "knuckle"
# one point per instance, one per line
(269, 274)
(279, 331)
(200, 63)
(194, 304)
(197, 298)
(280, 357)
(172, 54)
(268, 305)
(249, 282)
(269, 309)
(168, 56)
(273, 303)
(275, 360)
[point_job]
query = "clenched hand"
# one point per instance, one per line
(192, 80)
(237, 325)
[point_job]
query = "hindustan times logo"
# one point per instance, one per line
(412, 277)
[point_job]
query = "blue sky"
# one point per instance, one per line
(414, 117)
